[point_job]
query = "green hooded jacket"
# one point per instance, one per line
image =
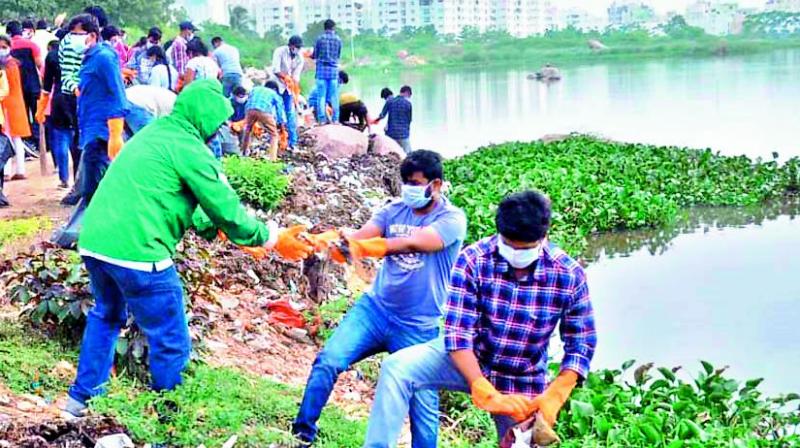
(147, 198)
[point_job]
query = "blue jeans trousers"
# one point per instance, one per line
(365, 331)
(328, 93)
(94, 163)
(404, 376)
(291, 117)
(137, 118)
(60, 143)
(229, 82)
(156, 301)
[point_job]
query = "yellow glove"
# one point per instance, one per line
(370, 248)
(291, 247)
(41, 105)
(115, 136)
(552, 400)
(486, 397)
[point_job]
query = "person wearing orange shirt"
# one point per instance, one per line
(17, 125)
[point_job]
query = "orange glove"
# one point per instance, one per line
(256, 252)
(115, 137)
(322, 241)
(238, 126)
(552, 400)
(486, 397)
(370, 248)
(375, 121)
(291, 247)
(41, 105)
(283, 143)
(128, 75)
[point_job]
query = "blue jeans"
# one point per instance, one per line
(291, 117)
(404, 143)
(60, 144)
(137, 118)
(404, 376)
(229, 82)
(365, 331)
(327, 93)
(156, 301)
(94, 163)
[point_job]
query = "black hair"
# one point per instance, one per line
(14, 28)
(140, 43)
(405, 89)
(155, 33)
(158, 52)
(109, 32)
(98, 13)
(296, 41)
(53, 44)
(386, 93)
(27, 25)
(429, 163)
(344, 78)
(61, 32)
(271, 85)
(87, 22)
(239, 90)
(41, 24)
(215, 40)
(329, 25)
(524, 216)
(197, 47)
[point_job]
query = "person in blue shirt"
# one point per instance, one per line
(327, 51)
(398, 108)
(420, 235)
(238, 102)
(264, 107)
(102, 104)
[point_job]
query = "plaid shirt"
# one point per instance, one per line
(399, 110)
(178, 56)
(327, 51)
(508, 322)
(268, 101)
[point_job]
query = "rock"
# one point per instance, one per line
(336, 142)
(383, 145)
(596, 45)
(115, 441)
(64, 370)
(231, 442)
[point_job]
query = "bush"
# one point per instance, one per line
(258, 182)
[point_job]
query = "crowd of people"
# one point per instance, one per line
(142, 125)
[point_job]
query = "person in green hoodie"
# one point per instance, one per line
(162, 181)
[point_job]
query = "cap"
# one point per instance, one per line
(187, 25)
(296, 41)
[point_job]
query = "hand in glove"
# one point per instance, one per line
(370, 248)
(323, 241)
(115, 137)
(550, 402)
(41, 105)
(291, 246)
(486, 397)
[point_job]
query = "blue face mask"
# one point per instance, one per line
(416, 196)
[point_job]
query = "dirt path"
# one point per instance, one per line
(34, 196)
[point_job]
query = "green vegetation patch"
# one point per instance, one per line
(258, 182)
(15, 229)
(600, 186)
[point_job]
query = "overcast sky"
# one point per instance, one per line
(599, 6)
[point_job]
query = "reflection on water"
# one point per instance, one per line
(737, 105)
(721, 285)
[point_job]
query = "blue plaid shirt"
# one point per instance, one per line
(399, 110)
(327, 51)
(267, 100)
(508, 322)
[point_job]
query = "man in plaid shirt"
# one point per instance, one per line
(507, 294)
(327, 50)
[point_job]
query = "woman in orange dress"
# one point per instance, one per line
(17, 126)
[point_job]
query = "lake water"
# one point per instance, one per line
(721, 284)
(737, 105)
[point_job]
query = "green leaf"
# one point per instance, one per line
(707, 367)
(581, 408)
(667, 373)
(627, 364)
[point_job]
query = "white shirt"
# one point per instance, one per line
(203, 67)
(283, 62)
(41, 38)
(160, 77)
(156, 100)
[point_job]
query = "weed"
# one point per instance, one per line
(258, 182)
(15, 229)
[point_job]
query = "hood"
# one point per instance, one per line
(202, 105)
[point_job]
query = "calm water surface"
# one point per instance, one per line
(737, 105)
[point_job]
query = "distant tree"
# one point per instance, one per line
(678, 28)
(139, 13)
(275, 36)
(240, 19)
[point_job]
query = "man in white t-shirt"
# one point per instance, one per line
(147, 103)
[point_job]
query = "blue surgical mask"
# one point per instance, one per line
(416, 196)
(518, 258)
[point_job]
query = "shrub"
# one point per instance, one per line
(258, 182)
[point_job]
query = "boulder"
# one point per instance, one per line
(596, 45)
(383, 145)
(335, 142)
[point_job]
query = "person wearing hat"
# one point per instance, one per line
(178, 54)
(227, 57)
(287, 65)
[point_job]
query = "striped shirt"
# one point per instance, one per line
(70, 60)
(508, 322)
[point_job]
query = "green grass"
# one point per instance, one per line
(15, 229)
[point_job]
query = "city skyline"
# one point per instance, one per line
(599, 7)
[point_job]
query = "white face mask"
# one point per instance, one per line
(78, 42)
(241, 99)
(4, 52)
(518, 258)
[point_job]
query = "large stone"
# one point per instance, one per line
(383, 145)
(336, 142)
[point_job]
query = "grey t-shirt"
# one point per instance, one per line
(227, 57)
